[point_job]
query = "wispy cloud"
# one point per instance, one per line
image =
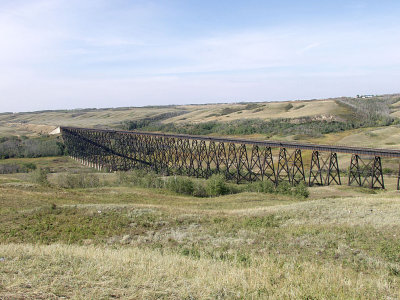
(309, 47)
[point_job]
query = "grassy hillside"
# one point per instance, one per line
(178, 114)
(123, 241)
(342, 110)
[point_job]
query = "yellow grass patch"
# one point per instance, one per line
(87, 272)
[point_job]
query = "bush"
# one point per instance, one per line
(261, 187)
(39, 176)
(284, 188)
(89, 180)
(180, 185)
(142, 178)
(29, 166)
(199, 190)
(301, 190)
(388, 171)
(216, 185)
(132, 177)
(82, 180)
(123, 178)
(16, 168)
(9, 168)
(151, 180)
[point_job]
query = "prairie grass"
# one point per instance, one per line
(132, 242)
(88, 272)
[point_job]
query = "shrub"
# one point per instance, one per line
(216, 185)
(142, 178)
(262, 221)
(81, 180)
(132, 177)
(89, 180)
(16, 168)
(29, 166)
(261, 187)
(180, 185)
(123, 178)
(268, 186)
(284, 188)
(9, 168)
(388, 171)
(301, 190)
(39, 176)
(66, 181)
(151, 180)
(199, 190)
(288, 107)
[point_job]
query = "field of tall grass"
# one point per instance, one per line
(113, 235)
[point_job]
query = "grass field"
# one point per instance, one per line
(119, 241)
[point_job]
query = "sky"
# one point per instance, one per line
(65, 54)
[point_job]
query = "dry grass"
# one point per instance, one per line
(31, 122)
(37, 122)
(87, 272)
(134, 243)
(369, 210)
(131, 243)
(322, 109)
(381, 137)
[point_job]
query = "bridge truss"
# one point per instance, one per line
(238, 159)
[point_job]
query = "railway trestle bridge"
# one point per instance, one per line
(238, 159)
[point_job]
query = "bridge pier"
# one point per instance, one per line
(333, 170)
(398, 180)
(315, 176)
(290, 166)
(324, 170)
(366, 173)
(262, 164)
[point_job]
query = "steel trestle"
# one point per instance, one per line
(239, 160)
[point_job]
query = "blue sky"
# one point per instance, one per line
(57, 54)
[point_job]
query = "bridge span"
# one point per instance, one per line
(238, 159)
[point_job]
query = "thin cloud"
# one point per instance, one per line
(309, 47)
